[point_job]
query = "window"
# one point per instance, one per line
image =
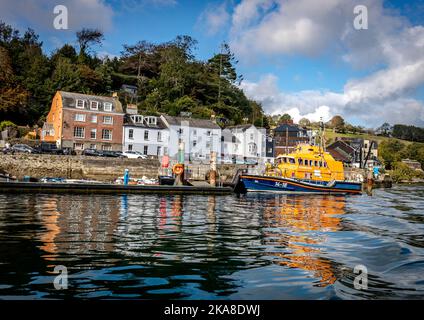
(94, 119)
(146, 135)
(165, 150)
(180, 131)
(159, 136)
(93, 133)
(208, 133)
(145, 150)
(79, 132)
(107, 134)
(78, 146)
(131, 134)
(251, 136)
(130, 147)
(108, 120)
(94, 105)
(107, 147)
(159, 150)
(93, 146)
(107, 106)
(79, 117)
(194, 143)
(80, 104)
(194, 132)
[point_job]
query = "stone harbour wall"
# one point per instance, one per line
(101, 169)
(76, 167)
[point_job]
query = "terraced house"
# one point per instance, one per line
(81, 121)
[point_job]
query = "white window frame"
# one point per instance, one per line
(159, 136)
(91, 105)
(78, 143)
(130, 134)
(82, 130)
(146, 138)
(107, 106)
(95, 134)
(107, 122)
(103, 134)
(76, 103)
(76, 115)
(94, 118)
(146, 150)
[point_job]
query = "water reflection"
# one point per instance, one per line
(299, 218)
(158, 246)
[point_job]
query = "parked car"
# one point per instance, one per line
(134, 155)
(49, 148)
(111, 154)
(91, 152)
(24, 148)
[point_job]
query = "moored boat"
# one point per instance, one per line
(309, 169)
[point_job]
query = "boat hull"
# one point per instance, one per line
(285, 185)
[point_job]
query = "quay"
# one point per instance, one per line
(107, 188)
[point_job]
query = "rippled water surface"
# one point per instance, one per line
(213, 247)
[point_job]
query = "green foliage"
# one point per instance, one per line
(7, 124)
(410, 133)
(285, 118)
(168, 77)
(403, 172)
(389, 152)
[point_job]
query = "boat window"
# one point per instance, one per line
(311, 163)
(325, 164)
(300, 161)
(316, 163)
(291, 160)
(320, 163)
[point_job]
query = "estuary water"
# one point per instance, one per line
(213, 247)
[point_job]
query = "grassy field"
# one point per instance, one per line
(331, 136)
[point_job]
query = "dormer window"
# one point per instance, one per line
(80, 104)
(94, 105)
(107, 106)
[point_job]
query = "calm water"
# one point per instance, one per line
(207, 247)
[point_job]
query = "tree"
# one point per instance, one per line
(88, 37)
(285, 118)
(304, 122)
(337, 123)
(389, 152)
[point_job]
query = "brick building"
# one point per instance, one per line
(81, 121)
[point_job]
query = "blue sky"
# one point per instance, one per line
(303, 57)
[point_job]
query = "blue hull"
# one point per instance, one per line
(284, 185)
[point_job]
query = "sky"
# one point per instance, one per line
(302, 57)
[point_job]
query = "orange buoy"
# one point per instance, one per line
(178, 169)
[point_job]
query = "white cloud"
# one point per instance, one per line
(315, 28)
(214, 18)
(38, 14)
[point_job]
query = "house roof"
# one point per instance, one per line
(288, 127)
(196, 123)
(69, 100)
(242, 127)
(130, 123)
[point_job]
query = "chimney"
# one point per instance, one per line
(115, 95)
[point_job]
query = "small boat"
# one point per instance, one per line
(309, 169)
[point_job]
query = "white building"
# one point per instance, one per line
(243, 143)
(199, 136)
(146, 134)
